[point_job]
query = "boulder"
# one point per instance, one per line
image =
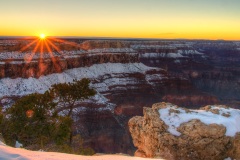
(170, 132)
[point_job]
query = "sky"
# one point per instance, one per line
(190, 19)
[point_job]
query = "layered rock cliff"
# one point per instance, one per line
(15, 64)
(98, 120)
(124, 84)
(211, 66)
(172, 132)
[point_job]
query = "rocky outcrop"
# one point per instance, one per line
(20, 68)
(175, 133)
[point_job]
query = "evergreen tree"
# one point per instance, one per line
(35, 119)
(31, 119)
(1, 119)
(67, 94)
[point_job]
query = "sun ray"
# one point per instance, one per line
(56, 66)
(42, 47)
(41, 62)
(29, 58)
(63, 41)
(28, 38)
(54, 46)
(28, 45)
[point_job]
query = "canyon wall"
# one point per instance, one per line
(119, 71)
(211, 66)
(14, 68)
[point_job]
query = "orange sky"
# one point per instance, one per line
(192, 19)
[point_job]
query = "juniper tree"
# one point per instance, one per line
(34, 118)
(31, 119)
(68, 94)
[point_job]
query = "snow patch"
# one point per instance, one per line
(111, 50)
(18, 145)
(178, 54)
(174, 120)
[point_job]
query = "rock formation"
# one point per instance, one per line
(16, 67)
(117, 71)
(175, 133)
(211, 66)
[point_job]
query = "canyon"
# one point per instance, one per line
(127, 75)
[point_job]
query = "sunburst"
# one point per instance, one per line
(42, 36)
(45, 45)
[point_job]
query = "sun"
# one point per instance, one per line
(42, 36)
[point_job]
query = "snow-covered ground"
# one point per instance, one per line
(165, 55)
(21, 86)
(178, 54)
(23, 57)
(112, 50)
(9, 153)
(227, 117)
(144, 46)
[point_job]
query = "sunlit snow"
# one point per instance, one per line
(174, 120)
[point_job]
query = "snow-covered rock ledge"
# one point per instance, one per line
(171, 132)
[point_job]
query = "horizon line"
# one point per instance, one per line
(123, 38)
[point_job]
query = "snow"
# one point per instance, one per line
(9, 153)
(156, 55)
(189, 52)
(16, 55)
(18, 145)
(8, 42)
(178, 54)
(177, 61)
(106, 77)
(151, 79)
(112, 50)
(21, 86)
(174, 55)
(63, 53)
(174, 120)
(142, 46)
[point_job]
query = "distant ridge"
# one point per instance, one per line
(17, 37)
(113, 38)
